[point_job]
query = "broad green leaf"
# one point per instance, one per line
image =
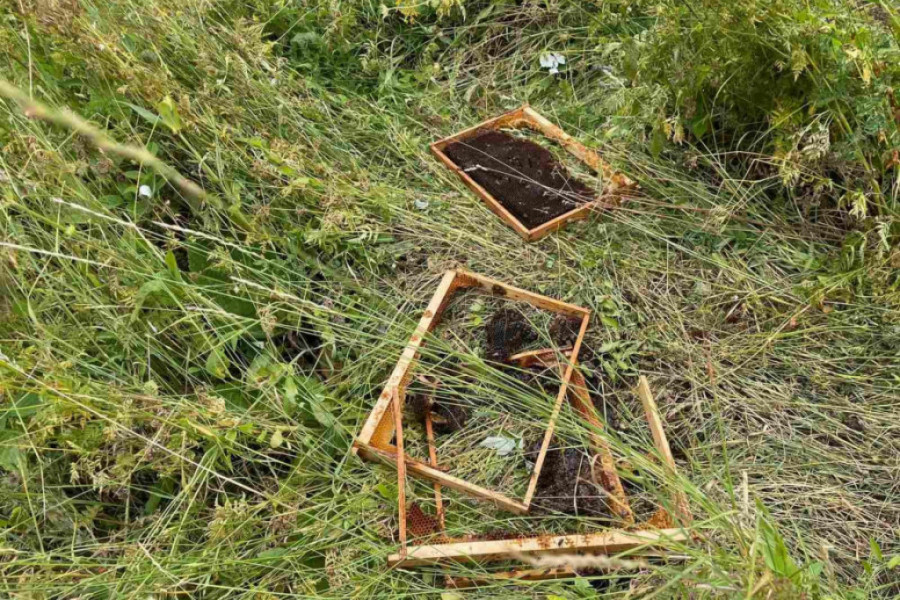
(168, 111)
(774, 550)
(876, 550)
(387, 492)
(272, 553)
(320, 414)
(657, 142)
(699, 126)
(172, 263)
(9, 450)
(154, 286)
(217, 363)
(277, 439)
(290, 391)
(144, 113)
(262, 370)
(609, 322)
(23, 407)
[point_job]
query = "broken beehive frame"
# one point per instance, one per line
(605, 542)
(604, 468)
(658, 531)
(384, 423)
(374, 439)
(615, 182)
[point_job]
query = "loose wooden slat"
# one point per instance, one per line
(548, 434)
(651, 411)
(401, 470)
(514, 575)
(431, 474)
(608, 475)
(498, 288)
(608, 542)
(581, 402)
(545, 357)
(432, 455)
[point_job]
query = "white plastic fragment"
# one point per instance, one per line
(503, 445)
(552, 61)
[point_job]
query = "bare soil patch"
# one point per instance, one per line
(523, 176)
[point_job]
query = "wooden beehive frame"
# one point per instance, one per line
(481, 551)
(657, 531)
(615, 183)
(374, 439)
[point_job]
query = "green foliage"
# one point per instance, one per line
(180, 380)
(807, 87)
(774, 550)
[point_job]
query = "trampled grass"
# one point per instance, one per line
(182, 377)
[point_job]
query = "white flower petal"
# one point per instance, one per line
(421, 204)
(554, 71)
(560, 59)
(547, 61)
(145, 192)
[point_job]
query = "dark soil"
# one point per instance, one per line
(302, 343)
(564, 330)
(445, 417)
(642, 505)
(507, 331)
(565, 485)
(523, 176)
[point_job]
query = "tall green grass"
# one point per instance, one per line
(181, 378)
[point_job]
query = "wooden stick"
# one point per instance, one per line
(607, 542)
(445, 479)
(401, 470)
(651, 411)
(432, 455)
(545, 357)
(548, 434)
(608, 475)
(503, 290)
